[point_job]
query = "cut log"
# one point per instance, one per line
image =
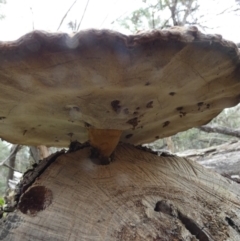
(138, 196)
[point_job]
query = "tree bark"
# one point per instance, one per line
(138, 196)
(221, 130)
(223, 159)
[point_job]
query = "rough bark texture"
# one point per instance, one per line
(139, 196)
(223, 159)
(221, 130)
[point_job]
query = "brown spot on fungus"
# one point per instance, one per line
(116, 106)
(148, 83)
(179, 108)
(137, 108)
(200, 104)
(2, 117)
(87, 125)
(172, 93)
(34, 200)
(182, 113)
(128, 136)
(150, 104)
(156, 137)
(24, 132)
(134, 122)
(166, 123)
(135, 113)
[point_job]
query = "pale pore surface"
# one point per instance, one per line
(116, 202)
(150, 85)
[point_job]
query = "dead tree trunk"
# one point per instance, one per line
(221, 130)
(138, 196)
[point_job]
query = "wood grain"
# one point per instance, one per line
(139, 196)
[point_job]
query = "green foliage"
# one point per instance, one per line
(2, 202)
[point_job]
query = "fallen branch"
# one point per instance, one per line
(6, 165)
(221, 130)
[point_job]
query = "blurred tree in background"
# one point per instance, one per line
(1, 2)
(197, 139)
(158, 14)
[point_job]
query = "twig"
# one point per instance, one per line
(14, 151)
(6, 165)
(83, 15)
(66, 15)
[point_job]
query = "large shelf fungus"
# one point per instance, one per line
(57, 88)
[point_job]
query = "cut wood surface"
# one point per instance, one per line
(139, 196)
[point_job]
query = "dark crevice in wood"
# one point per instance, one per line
(193, 227)
(232, 224)
(166, 207)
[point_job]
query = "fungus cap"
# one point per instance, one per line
(55, 86)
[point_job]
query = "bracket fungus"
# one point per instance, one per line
(106, 87)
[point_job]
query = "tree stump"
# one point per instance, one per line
(138, 196)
